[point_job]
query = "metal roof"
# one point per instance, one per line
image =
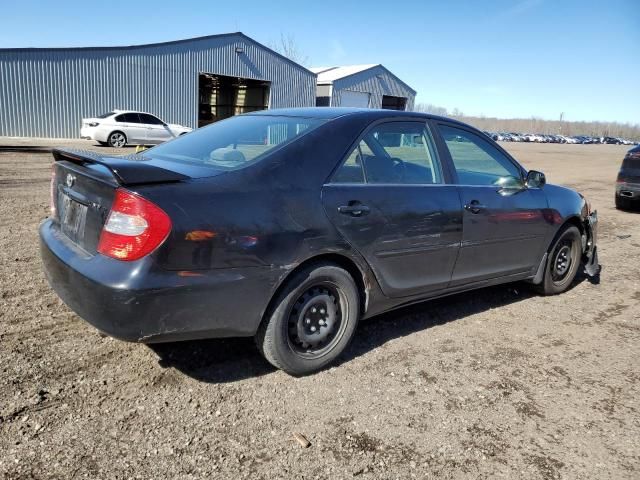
(158, 44)
(329, 74)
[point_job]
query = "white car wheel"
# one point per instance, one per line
(117, 140)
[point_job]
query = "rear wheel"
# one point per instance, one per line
(117, 140)
(312, 320)
(622, 203)
(563, 262)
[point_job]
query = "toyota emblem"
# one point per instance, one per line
(70, 180)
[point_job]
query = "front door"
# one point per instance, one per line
(388, 199)
(504, 222)
(157, 131)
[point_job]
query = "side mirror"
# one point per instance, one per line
(535, 179)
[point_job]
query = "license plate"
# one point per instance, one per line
(73, 216)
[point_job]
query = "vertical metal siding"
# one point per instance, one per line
(46, 92)
(378, 82)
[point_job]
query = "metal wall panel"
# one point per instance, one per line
(46, 92)
(377, 81)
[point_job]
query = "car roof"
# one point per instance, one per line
(329, 113)
(118, 112)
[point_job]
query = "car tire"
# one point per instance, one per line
(311, 320)
(117, 139)
(563, 261)
(622, 203)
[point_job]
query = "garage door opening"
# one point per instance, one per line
(221, 97)
(394, 103)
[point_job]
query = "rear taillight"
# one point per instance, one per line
(94, 124)
(135, 227)
(52, 192)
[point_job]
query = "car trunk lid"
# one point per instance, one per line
(83, 188)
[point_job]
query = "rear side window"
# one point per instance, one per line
(392, 153)
(235, 142)
(128, 118)
(478, 162)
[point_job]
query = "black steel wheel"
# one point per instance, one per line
(315, 320)
(311, 321)
(563, 261)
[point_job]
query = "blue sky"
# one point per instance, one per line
(517, 58)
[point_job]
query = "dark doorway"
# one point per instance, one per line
(220, 97)
(394, 103)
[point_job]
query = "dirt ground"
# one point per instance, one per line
(498, 383)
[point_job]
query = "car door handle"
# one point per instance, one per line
(356, 210)
(474, 206)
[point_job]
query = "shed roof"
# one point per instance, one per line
(328, 75)
(194, 40)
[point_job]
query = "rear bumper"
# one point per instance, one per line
(87, 133)
(628, 190)
(136, 301)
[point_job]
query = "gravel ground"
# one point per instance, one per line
(497, 383)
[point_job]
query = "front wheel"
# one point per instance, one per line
(311, 321)
(563, 262)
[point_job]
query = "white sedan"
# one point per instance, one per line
(124, 127)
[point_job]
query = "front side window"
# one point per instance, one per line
(235, 142)
(150, 119)
(477, 162)
(392, 153)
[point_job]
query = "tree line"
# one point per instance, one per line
(538, 125)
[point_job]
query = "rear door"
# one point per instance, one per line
(504, 221)
(156, 130)
(389, 200)
(130, 125)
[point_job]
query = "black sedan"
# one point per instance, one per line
(292, 225)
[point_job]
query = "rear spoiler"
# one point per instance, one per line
(127, 170)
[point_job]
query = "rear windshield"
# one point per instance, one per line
(105, 115)
(235, 142)
(632, 162)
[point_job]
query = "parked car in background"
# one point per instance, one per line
(628, 182)
(126, 127)
(292, 225)
(611, 141)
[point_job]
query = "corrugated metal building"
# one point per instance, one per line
(364, 86)
(45, 92)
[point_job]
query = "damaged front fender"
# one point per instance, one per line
(589, 247)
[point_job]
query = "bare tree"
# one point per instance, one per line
(539, 125)
(430, 108)
(288, 47)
